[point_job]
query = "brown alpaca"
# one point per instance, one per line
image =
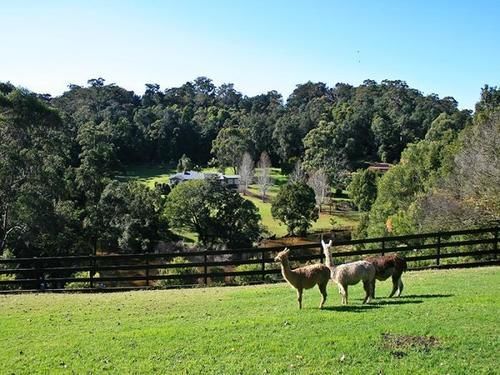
(304, 277)
(389, 265)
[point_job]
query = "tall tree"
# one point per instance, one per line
(363, 188)
(295, 206)
(33, 164)
(246, 172)
(229, 147)
(264, 180)
(318, 181)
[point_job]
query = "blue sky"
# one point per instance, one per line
(451, 48)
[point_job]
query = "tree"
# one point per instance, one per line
(184, 164)
(469, 194)
(130, 217)
(363, 188)
(264, 174)
(33, 164)
(218, 215)
(318, 181)
(400, 189)
(298, 174)
(295, 206)
(229, 146)
(246, 172)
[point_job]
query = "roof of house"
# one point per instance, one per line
(384, 167)
(194, 175)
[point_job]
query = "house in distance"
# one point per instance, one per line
(230, 181)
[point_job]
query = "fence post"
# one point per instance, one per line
(495, 245)
(263, 265)
(39, 276)
(146, 260)
(383, 247)
(92, 271)
(438, 249)
(205, 267)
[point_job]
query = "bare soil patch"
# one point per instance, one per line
(397, 344)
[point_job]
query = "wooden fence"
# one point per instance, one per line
(463, 248)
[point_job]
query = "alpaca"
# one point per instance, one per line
(350, 274)
(304, 277)
(389, 265)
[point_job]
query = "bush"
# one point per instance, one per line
(216, 279)
(80, 284)
(177, 271)
(247, 279)
(7, 277)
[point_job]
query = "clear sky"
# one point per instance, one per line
(451, 48)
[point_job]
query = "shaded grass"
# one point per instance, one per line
(258, 329)
(148, 174)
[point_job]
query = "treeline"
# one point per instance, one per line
(337, 128)
(59, 156)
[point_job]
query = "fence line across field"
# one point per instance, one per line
(479, 248)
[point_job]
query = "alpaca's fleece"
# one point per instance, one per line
(309, 276)
(353, 273)
(388, 265)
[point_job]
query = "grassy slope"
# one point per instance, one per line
(256, 330)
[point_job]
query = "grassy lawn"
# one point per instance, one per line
(447, 322)
(148, 174)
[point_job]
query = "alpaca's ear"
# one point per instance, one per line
(323, 243)
(330, 243)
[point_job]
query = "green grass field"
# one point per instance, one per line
(447, 322)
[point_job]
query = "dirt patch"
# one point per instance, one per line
(398, 343)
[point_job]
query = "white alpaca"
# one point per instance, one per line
(304, 277)
(350, 274)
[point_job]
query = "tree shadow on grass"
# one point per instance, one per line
(351, 308)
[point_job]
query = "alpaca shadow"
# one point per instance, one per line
(395, 302)
(411, 296)
(351, 308)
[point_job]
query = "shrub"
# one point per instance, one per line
(7, 277)
(177, 271)
(217, 279)
(80, 284)
(247, 279)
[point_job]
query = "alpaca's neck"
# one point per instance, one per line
(287, 273)
(329, 260)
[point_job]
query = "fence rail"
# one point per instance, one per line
(469, 248)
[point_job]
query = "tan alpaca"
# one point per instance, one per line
(304, 277)
(350, 274)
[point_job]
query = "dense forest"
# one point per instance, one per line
(59, 157)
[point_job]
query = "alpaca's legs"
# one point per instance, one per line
(367, 285)
(373, 288)
(401, 286)
(343, 291)
(395, 284)
(322, 289)
(299, 297)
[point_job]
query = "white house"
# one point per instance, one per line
(231, 181)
